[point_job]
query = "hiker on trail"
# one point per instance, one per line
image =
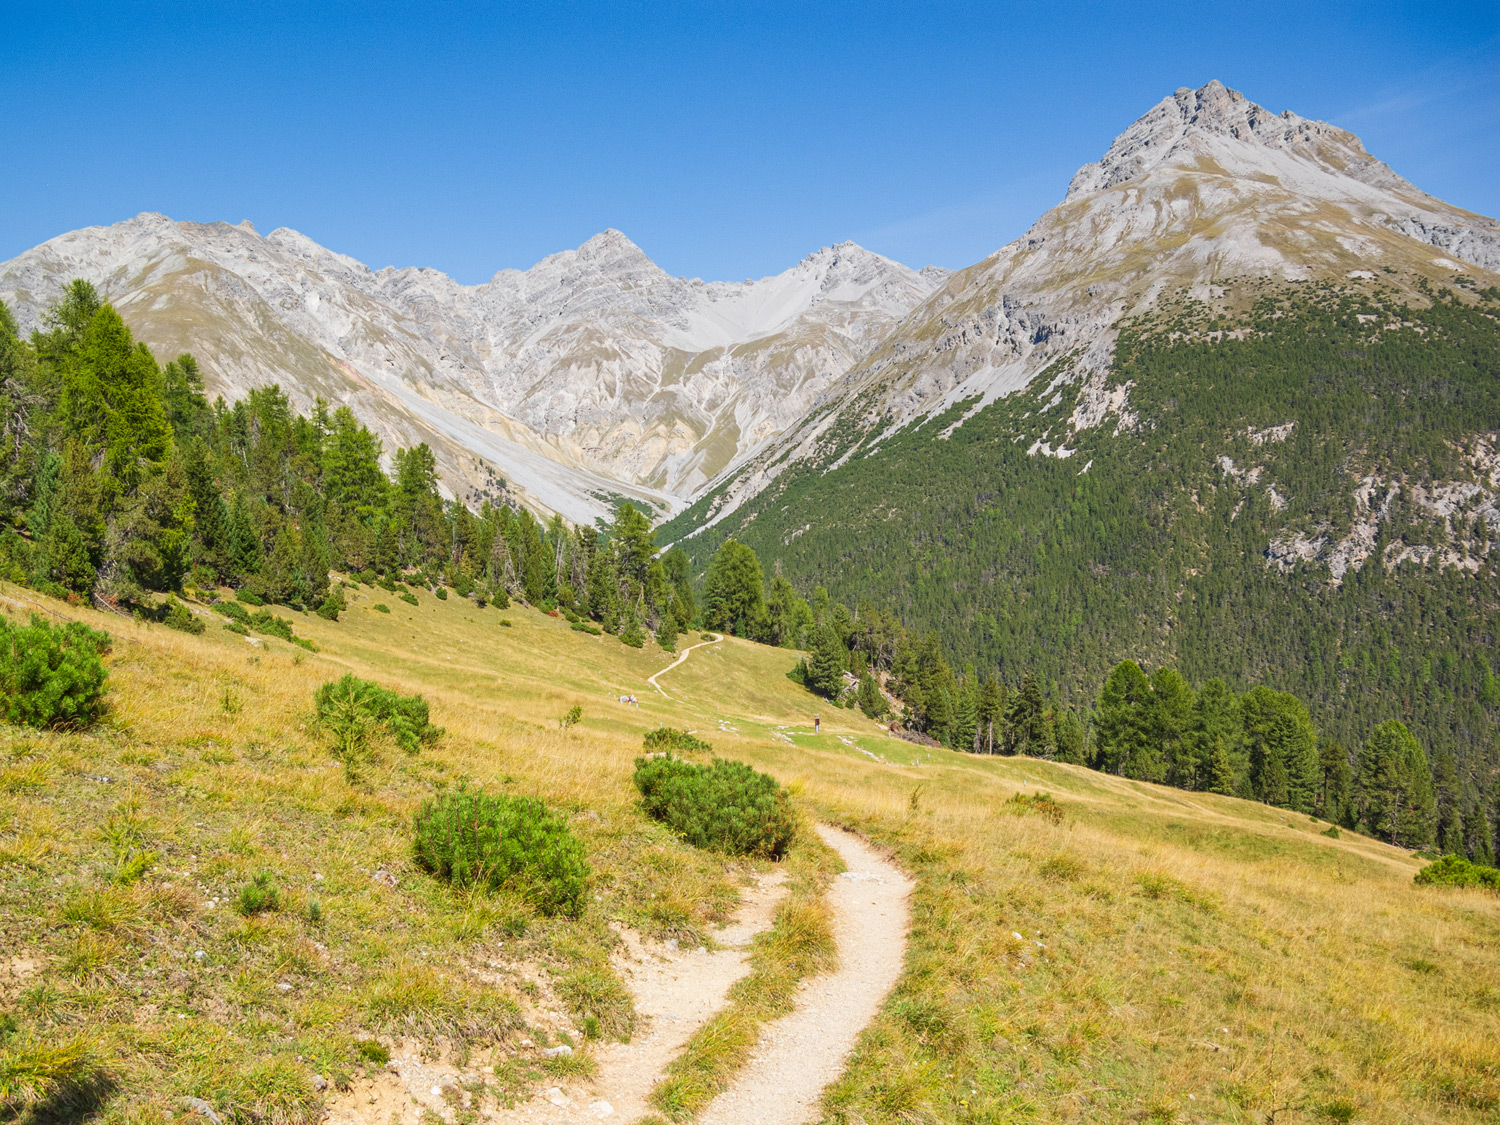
(817, 725)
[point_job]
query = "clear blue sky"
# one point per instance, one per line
(728, 140)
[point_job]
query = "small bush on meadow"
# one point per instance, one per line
(670, 738)
(51, 676)
(725, 807)
(264, 621)
(1456, 871)
(179, 617)
(575, 713)
(333, 605)
(474, 839)
(381, 607)
(409, 598)
(249, 597)
(259, 896)
(349, 711)
(233, 610)
(1042, 804)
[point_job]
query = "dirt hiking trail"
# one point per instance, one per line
(681, 656)
(802, 1053)
(675, 991)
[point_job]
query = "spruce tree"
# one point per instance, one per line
(825, 664)
(242, 541)
(1120, 720)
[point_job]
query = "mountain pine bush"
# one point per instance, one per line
(343, 705)
(473, 839)
(670, 738)
(1456, 871)
(51, 676)
(725, 807)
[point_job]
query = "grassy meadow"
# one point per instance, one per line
(1113, 951)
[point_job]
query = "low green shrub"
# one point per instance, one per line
(725, 806)
(367, 577)
(473, 839)
(670, 738)
(333, 605)
(233, 610)
(1456, 871)
(179, 617)
(51, 676)
(1042, 804)
(409, 598)
(585, 627)
(381, 607)
(249, 597)
(264, 621)
(348, 711)
(259, 896)
(575, 713)
(442, 593)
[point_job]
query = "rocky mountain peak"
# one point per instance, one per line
(1215, 123)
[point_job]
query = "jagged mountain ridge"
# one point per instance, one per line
(592, 374)
(1205, 187)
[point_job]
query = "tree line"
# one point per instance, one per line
(1260, 744)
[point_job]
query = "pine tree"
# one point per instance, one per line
(871, 701)
(733, 590)
(1168, 721)
(1217, 772)
(1120, 720)
(278, 574)
(242, 541)
(965, 728)
(1071, 738)
(1395, 786)
(1026, 728)
(825, 664)
(1216, 738)
(631, 631)
(666, 633)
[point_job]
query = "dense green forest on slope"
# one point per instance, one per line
(1143, 544)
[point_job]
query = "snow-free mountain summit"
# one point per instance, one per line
(592, 374)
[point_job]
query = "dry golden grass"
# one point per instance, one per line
(1180, 956)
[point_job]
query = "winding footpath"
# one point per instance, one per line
(802, 1053)
(681, 656)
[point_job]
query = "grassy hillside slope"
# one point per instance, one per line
(1120, 952)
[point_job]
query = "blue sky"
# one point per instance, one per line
(728, 140)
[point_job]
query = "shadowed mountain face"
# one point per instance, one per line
(590, 374)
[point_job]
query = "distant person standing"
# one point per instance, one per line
(817, 725)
